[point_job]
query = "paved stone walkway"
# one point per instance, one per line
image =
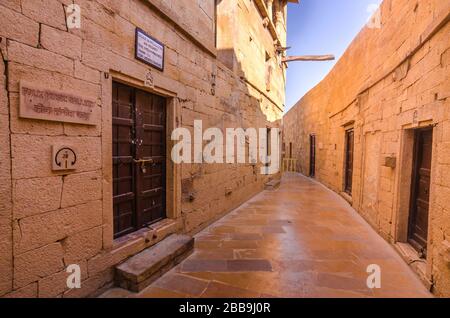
(299, 241)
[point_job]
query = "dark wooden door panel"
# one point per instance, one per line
(151, 146)
(349, 150)
(420, 193)
(138, 158)
(123, 165)
(312, 156)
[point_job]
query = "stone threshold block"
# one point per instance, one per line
(272, 185)
(418, 264)
(142, 269)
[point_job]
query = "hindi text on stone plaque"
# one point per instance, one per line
(53, 105)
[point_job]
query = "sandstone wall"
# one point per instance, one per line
(61, 219)
(389, 81)
(247, 46)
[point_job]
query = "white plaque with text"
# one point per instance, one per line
(149, 50)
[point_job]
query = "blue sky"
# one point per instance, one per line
(320, 27)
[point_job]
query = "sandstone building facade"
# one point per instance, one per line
(377, 130)
(220, 65)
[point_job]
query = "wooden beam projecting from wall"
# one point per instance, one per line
(309, 58)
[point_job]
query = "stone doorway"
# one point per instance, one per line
(349, 146)
(139, 158)
(420, 190)
(312, 155)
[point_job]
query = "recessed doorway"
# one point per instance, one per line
(349, 149)
(420, 190)
(312, 155)
(139, 158)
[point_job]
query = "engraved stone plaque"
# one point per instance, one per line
(64, 158)
(52, 105)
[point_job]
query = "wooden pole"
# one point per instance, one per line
(329, 57)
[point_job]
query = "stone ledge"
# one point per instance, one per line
(272, 185)
(142, 269)
(132, 244)
(347, 197)
(417, 264)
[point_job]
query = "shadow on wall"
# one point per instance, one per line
(264, 106)
(236, 105)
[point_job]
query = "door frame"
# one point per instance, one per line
(137, 96)
(414, 189)
(173, 171)
(404, 183)
(346, 144)
(312, 155)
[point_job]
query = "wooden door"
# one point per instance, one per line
(420, 193)
(349, 148)
(124, 197)
(138, 158)
(312, 156)
(150, 154)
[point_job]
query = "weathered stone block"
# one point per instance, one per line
(12, 4)
(32, 154)
(50, 12)
(28, 32)
(3, 91)
(142, 269)
(95, 57)
(82, 245)
(444, 153)
(61, 42)
(446, 251)
(442, 196)
(31, 266)
(36, 231)
(53, 80)
(39, 58)
(86, 73)
(446, 131)
(97, 11)
(81, 188)
(29, 291)
(36, 195)
(6, 256)
(5, 171)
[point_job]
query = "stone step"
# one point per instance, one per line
(142, 269)
(272, 184)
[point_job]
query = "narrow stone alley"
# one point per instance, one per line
(301, 240)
